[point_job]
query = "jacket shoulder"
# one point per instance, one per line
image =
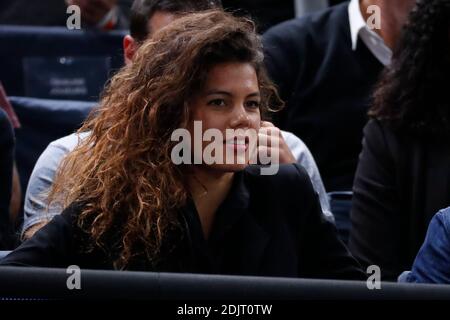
(314, 24)
(290, 179)
(382, 136)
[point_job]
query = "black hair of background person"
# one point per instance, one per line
(6, 167)
(403, 176)
(41, 12)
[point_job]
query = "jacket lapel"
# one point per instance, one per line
(238, 226)
(252, 245)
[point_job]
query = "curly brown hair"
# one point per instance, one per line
(122, 173)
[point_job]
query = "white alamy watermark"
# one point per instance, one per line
(74, 20)
(74, 280)
(237, 147)
(374, 280)
(374, 20)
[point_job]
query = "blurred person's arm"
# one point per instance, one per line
(16, 196)
(432, 264)
(36, 211)
(305, 158)
(29, 233)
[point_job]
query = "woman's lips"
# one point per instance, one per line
(237, 144)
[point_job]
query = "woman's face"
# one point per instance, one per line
(230, 99)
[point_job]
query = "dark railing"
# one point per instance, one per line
(41, 283)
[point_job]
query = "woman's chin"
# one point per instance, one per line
(229, 167)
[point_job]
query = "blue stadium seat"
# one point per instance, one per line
(341, 205)
(57, 63)
(3, 254)
(42, 122)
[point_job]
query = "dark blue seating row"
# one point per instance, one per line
(43, 121)
(57, 63)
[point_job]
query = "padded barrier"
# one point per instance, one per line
(41, 283)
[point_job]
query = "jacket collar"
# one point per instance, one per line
(237, 216)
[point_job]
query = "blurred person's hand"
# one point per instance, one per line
(275, 143)
(29, 233)
(94, 11)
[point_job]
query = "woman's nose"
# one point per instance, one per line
(240, 117)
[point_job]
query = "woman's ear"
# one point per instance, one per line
(129, 48)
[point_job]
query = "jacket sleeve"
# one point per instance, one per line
(322, 254)
(51, 246)
(375, 237)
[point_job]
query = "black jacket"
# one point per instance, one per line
(265, 13)
(401, 182)
(267, 226)
(326, 86)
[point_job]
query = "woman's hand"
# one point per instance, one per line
(271, 143)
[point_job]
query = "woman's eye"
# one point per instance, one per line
(253, 104)
(217, 103)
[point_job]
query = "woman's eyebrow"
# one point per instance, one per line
(254, 94)
(211, 92)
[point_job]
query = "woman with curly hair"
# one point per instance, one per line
(403, 176)
(130, 206)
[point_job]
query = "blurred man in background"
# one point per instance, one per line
(326, 65)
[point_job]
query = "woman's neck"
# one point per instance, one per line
(208, 189)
